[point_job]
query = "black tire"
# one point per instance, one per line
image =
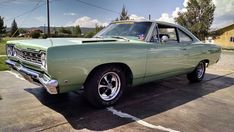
(196, 75)
(94, 91)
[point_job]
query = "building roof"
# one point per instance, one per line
(224, 27)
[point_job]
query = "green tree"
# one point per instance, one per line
(14, 29)
(65, 31)
(21, 30)
(2, 27)
(124, 14)
(98, 28)
(35, 34)
(89, 34)
(198, 17)
(77, 30)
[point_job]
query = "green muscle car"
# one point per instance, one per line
(124, 54)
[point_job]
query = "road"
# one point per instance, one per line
(171, 104)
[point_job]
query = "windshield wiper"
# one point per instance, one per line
(120, 37)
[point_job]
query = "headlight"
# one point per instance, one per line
(13, 51)
(43, 60)
(9, 50)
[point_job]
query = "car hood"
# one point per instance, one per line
(44, 44)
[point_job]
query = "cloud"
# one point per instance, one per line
(224, 7)
(166, 17)
(87, 22)
(170, 17)
(185, 3)
(224, 12)
(135, 17)
(69, 14)
(178, 10)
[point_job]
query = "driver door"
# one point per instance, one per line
(165, 57)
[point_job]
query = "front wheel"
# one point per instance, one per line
(198, 74)
(105, 87)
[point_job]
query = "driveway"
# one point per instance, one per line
(171, 104)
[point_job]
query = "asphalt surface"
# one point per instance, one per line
(171, 104)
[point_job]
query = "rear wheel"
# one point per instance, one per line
(198, 74)
(105, 87)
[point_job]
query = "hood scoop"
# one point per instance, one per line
(80, 41)
(95, 41)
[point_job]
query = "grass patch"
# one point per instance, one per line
(2, 47)
(3, 43)
(228, 48)
(3, 66)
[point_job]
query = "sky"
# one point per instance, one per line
(88, 13)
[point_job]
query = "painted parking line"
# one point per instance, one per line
(139, 121)
(16, 75)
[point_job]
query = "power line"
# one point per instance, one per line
(35, 7)
(29, 11)
(99, 7)
(6, 1)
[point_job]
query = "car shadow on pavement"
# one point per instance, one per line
(142, 101)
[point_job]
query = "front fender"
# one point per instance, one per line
(71, 65)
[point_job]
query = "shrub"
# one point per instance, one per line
(89, 34)
(35, 34)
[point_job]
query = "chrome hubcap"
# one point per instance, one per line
(109, 86)
(200, 70)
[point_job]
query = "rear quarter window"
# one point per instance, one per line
(184, 37)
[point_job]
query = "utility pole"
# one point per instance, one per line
(149, 17)
(48, 17)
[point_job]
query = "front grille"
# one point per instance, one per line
(31, 56)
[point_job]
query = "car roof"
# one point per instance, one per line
(153, 21)
(162, 23)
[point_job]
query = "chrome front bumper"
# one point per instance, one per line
(35, 77)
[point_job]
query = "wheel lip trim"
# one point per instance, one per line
(115, 90)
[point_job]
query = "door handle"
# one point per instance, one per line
(183, 48)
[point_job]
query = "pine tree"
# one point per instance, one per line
(14, 29)
(2, 27)
(117, 19)
(124, 14)
(198, 18)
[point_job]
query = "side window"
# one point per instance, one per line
(232, 39)
(169, 32)
(184, 37)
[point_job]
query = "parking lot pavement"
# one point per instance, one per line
(167, 105)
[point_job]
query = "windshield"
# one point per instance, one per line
(131, 29)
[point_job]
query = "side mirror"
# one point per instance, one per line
(165, 38)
